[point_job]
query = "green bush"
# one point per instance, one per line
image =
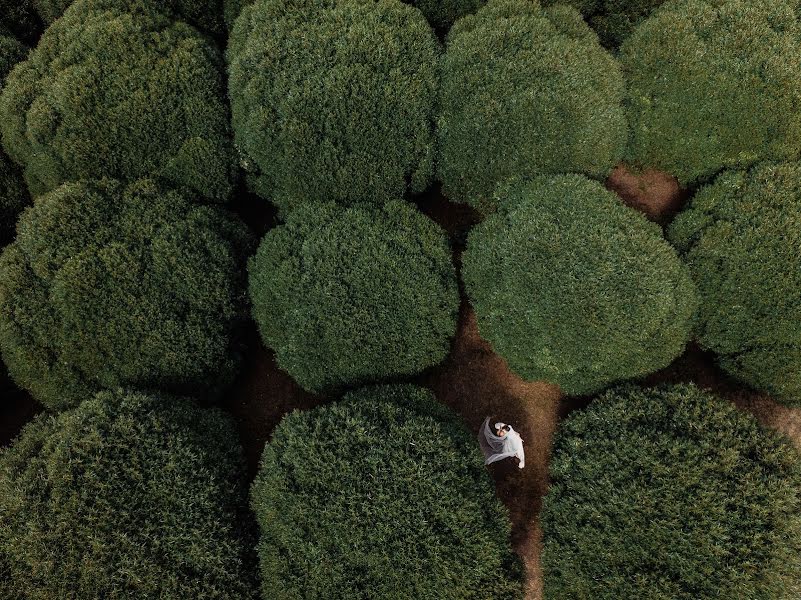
(19, 18)
(333, 100)
(670, 493)
(108, 285)
(526, 90)
(442, 13)
(714, 84)
(11, 52)
(204, 14)
(383, 495)
(741, 237)
(127, 496)
(353, 295)
(232, 10)
(121, 94)
(612, 20)
(573, 287)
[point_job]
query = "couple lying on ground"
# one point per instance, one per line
(503, 443)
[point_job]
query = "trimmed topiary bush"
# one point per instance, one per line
(110, 285)
(442, 13)
(526, 90)
(127, 496)
(383, 495)
(714, 84)
(741, 237)
(354, 295)
(333, 100)
(573, 287)
(612, 20)
(204, 14)
(120, 93)
(670, 493)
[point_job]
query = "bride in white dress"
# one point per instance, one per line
(503, 443)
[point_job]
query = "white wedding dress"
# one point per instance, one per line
(497, 447)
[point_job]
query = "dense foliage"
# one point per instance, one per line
(393, 501)
(714, 84)
(671, 493)
(741, 237)
(108, 285)
(526, 90)
(358, 294)
(127, 496)
(612, 20)
(573, 287)
(19, 18)
(204, 14)
(120, 92)
(11, 52)
(441, 14)
(333, 100)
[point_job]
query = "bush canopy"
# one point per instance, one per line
(612, 20)
(441, 14)
(124, 93)
(714, 84)
(573, 287)
(127, 496)
(333, 100)
(740, 237)
(19, 19)
(110, 285)
(393, 501)
(354, 295)
(670, 493)
(526, 90)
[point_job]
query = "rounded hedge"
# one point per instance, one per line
(120, 92)
(441, 14)
(353, 295)
(741, 237)
(11, 52)
(333, 100)
(382, 495)
(713, 85)
(204, 14)
(573, 287)
(127, 496)
(526, 90)
(110, 285)
(612, 20)
(670, 493)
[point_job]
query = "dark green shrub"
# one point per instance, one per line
(19, 18)
(333, 100)
(612, 20)
(670, 493)
(526, 90)
(127, 496)
(232, 10)
(383, 496)
(352, 295)
(741, 237)
(204, 14)
(442, 13)
(11, 52)
(121, 94)
(573, 287)
(713, 85)
(108, 285)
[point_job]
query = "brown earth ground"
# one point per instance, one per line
(473, 380)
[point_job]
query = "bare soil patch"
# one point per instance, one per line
(655, 193)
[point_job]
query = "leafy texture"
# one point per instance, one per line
(19, 18)
(670, 494)
(119, 92)
(333, 100)
(526, 90)
(383, 495)
(571, 286)
(204, 14)
(741, 237)
(127, 496)
(352, 295)
(714, 84)
(108, 285)
(442, 13)
(613, 20)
